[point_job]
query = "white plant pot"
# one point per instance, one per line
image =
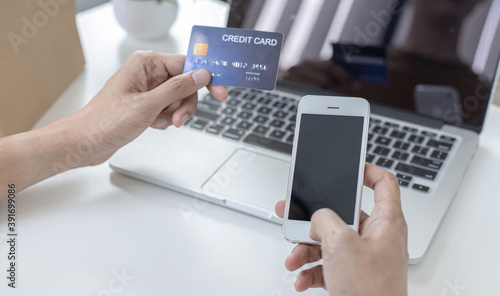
(145, 19)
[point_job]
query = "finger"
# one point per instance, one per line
(171, 63)
(325, 225)
(302, 254)
(163, 120)
(363, 216)
(178, 87)
(280, 208)
(185, 111)
(310, 278)
(218, 91)
(386, 188)
(148, 69)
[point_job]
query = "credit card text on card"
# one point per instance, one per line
(235, 57)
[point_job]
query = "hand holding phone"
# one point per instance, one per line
(328, 161)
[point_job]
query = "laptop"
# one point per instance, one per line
(427, 68)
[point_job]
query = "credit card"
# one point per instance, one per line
(367, 63)
(235, 57)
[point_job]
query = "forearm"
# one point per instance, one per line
(30, 157)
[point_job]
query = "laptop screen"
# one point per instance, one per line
(434, 57)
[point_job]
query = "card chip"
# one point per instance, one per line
(200, 49)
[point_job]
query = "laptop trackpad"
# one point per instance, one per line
(250, 177)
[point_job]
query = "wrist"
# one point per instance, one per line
(63, 139)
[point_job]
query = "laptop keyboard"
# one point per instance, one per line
(414, 154)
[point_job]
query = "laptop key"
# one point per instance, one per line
(293, 118)
(215, 129)
(277, 134)
(428, 134)
(400, 155)
(410, 129)
(208, 107)
(229, 111)
(397, 134)
(420, 150)
(234, 134)
(439, 145)
(207, 115)
(245, 115)
(261, 130)
(368, 147)
(264, 110)
(260, 119)
(268, 143)
(370, 158)
(439, 154)
(390, 124)
(384, 162)
(383, 141)
(211, 100)
(199, 124)
(401, 145)
(249, 97)
(264, 101)
(404, 177)
(233, 102)
(380, 130)
(280, 105)
(432, 164)
(416, 171)
(446, 138)
(244, 125)
(381, 151)
(420, 187)
(277, 123)
(291, 128)
(403, 183)
(228, 121)
(290, 139)
(280, 114)
(370, 136)
(416, 139)
(248, 106)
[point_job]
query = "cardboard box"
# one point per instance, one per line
(40, 55)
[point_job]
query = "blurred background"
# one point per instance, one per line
(86, 4)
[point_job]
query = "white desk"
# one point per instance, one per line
(79, 229)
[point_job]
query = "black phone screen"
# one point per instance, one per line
(326, 166)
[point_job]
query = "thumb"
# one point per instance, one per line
(178, 88)
(324, 224)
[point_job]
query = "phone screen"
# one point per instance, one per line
(326, 166)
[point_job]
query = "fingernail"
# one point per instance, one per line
(160, 123)
(201, 77)
(184, 118)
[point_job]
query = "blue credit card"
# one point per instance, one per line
(365, 63)
(235, 57)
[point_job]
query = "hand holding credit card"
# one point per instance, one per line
(235, 57)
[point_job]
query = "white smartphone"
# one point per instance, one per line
(328, 162)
